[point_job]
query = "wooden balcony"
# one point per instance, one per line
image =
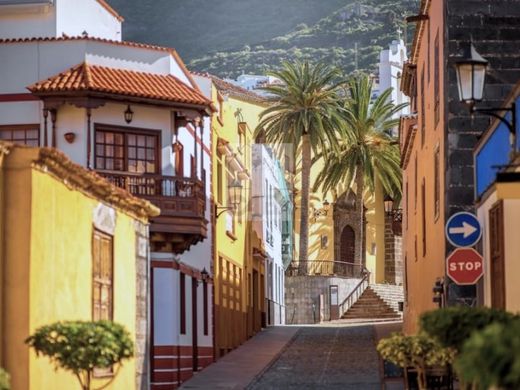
(182, 202)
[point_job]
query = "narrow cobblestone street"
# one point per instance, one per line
(331, 357)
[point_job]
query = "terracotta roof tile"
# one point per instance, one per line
(94, 78)
(138, 45)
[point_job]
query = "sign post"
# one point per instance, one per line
(463, 230)
(465, 266)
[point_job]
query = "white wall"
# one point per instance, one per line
(69, 17)
(166, 306)
(76, 16)
(391, 63)
(27, 21)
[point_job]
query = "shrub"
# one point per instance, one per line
(82, 346)
(4, 380)
(491, 357)
(452, 326)
(420, 352)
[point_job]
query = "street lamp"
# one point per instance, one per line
(129, 114)
(321, 212)
(235, 190)
(389, 204)
(471, 72)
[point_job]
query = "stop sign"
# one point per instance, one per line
(464, 266)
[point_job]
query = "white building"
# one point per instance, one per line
(254, 83)
(133, 113)
(391, 62)
(268, 202)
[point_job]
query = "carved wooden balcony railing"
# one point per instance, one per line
(182, 201)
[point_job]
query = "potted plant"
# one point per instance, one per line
(82, 347)
(419, 351)
(4, 380)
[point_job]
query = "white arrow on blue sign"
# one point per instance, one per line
(463, 229)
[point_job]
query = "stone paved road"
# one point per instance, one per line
(326, 357)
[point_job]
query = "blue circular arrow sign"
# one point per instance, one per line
(463, 229)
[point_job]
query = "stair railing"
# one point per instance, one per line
(355, 293)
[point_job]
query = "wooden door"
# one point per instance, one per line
(497, 260)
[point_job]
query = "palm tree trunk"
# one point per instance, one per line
(304, 205)
(360, 187)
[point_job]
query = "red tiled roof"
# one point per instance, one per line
(66, 38)
(94, 78)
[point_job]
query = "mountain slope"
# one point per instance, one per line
(230, 37)
(198, 27)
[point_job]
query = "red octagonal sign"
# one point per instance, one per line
(465, 266)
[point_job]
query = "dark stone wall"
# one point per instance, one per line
(494, 27)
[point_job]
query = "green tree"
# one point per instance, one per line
(490, 358)
(82, 347)
(452, 326)
(368, 152)
(5, 380)
(304, 113)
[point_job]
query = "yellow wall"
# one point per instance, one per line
(234, 327)
(49, 272)
(324, 225)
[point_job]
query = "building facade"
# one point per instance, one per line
(271, 203)
(497, 194)
(438, 137)
(133, 113)
(60, 225)
(239, 252)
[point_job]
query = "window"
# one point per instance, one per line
(219, 181)
(423, 210)
(220, 116)
(415, 184)
(437, 184)
(423, 113)
(406, 211)
(232, 212)
(183, 302)
(436, 81)
(429, 51)
(178, 153)
(102, 276)
(205, 305)
(21, 134)
(127, 151)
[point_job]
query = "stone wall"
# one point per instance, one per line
(393, 255)
(494, 28)
(301, 292)
(142, 337)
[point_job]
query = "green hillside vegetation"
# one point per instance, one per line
(372, 24)
(197, 27)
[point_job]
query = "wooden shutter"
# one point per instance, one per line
(497, 261)
(102, 276)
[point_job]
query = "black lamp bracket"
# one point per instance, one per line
(494, 112)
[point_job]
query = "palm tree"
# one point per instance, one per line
(304, 113)
(368, 152)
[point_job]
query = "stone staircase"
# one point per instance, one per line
(390, 293)
(372, 306)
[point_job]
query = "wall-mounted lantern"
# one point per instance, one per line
(129, 114)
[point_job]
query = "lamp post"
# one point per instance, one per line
(471, 74)
(395, 215)
(235, 189)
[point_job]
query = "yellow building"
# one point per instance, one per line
(57, 221)
(334, 225)
(239, 268)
